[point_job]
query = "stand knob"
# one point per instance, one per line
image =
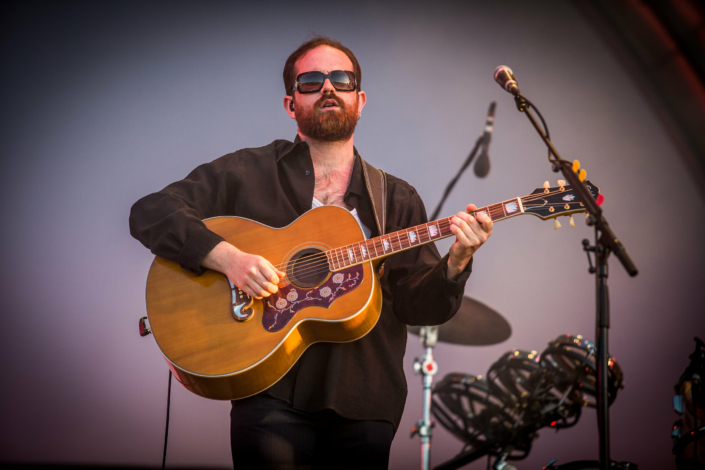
(144, 331)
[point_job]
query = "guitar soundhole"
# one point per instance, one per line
(308, 268)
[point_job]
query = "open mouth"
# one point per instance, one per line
(329, 104)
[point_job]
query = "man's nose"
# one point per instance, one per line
(327, 86)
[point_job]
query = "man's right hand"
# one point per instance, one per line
(253, 274)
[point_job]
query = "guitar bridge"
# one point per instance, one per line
(241, 303)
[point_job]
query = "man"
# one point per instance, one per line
(340, 405)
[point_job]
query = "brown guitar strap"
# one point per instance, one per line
(376, 182)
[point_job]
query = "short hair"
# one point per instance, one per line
(290, 73)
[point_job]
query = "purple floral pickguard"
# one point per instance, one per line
(280, 308)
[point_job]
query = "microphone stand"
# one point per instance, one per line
(605, 244)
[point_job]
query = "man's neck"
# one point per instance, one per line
(332, 164)
(330, 157)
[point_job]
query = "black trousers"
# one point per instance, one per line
(267, 433)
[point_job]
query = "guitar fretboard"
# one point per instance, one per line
(395, 242)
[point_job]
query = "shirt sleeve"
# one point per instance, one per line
(169, 222)
(422, 292)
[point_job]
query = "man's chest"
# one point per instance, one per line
(331, 189)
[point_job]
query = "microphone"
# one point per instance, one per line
(482, 166)
(506, 79)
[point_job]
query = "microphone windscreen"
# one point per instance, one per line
(482, 165)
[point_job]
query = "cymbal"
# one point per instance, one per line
(475, 324)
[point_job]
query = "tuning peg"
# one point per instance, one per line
(587, 215)
(561, 183)
(546, 185)
(572, 222)
(556, 224)
(582, 175)
(576, 166)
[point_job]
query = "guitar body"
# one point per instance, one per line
(215, 354)
(221, 344)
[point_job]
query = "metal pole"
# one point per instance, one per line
(602, 326)
(427, 367)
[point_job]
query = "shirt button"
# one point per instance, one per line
(308, 172)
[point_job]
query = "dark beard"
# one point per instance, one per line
(335, 126)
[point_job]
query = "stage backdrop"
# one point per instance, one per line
(103, 103)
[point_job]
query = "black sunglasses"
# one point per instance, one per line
(311, 82)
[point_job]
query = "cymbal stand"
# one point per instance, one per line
(427, 367)
(428, 336)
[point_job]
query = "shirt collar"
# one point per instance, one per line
(357, 179)
(297, 146)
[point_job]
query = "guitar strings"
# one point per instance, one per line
(314, 263)
(319, 263)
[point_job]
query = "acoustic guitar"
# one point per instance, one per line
(222, 344)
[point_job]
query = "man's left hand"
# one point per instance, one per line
(470, 233)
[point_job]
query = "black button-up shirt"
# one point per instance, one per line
(274, 185)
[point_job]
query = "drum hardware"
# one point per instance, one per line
(689, 402)
(589, 465)
(427, 367)
(474, 324)
(500, 415)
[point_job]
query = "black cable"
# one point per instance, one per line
(543, 122)
(166, 432)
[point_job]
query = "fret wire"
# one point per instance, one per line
(343, 257)
(374, 244)
(337, 258)
(330, 261)
(375, 240)
(346, 255)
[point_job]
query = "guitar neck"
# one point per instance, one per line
(390, 243)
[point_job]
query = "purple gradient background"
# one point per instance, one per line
(104, 103)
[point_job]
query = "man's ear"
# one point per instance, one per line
(289, 106)
(361, 100)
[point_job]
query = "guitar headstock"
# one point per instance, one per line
(551, 202)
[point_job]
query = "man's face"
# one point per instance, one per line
(328, 115)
